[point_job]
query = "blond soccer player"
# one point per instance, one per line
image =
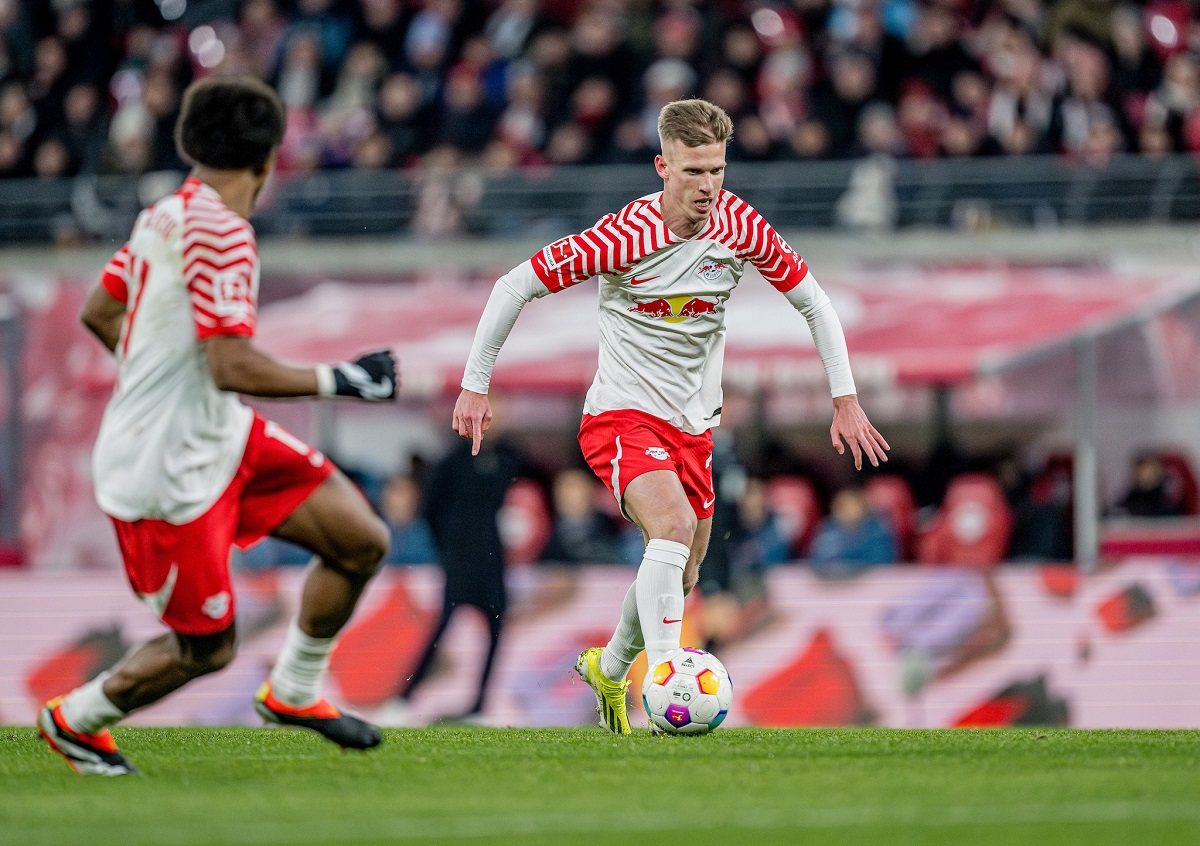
(667, 263)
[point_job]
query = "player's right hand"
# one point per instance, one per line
(370, 377)
(472, 417)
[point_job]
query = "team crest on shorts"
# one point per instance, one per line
(711, 270)
(658, 452)
(216, 606)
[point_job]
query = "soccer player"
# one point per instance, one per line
(667, 263)
(186, 471)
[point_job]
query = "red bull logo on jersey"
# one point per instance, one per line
(675, 309)
(710, 270)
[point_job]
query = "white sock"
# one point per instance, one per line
(660, 596)
(627, 640)
(87, 710)
(296, 679)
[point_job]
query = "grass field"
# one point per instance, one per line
(853, 786)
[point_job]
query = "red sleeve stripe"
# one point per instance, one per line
(612, 246)
(205, 312)
(225, 261)
(114, 275)
(737, 224)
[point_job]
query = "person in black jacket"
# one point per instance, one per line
(462, 500)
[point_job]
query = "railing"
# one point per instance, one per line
(1039, 191)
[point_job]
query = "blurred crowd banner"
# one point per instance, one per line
(1003, 333)
(899, 646)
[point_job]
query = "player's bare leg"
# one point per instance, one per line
(165, 664)
(652, 613)
(656, 502)
(349, 541)
(76, 725)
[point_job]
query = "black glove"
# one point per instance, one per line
(369, 377)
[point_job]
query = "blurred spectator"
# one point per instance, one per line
(581, 533)
(1149, 495)
(735, 592)
(1020, 105)
(401, 118)
(757, 535)
(840, 101)
(1041, 510)
(853, 538)
(411, 538)
(939, 51)
(84, 128)
(262, 29)
(1087, 123)
(467, 120)
(463, 497)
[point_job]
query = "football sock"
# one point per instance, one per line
(626, 642)
(296, 679)
(87, 710)
(660, 596)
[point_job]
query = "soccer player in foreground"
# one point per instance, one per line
(667, 263)
(185, 470)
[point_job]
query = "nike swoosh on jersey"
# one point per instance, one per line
(633, 280)
(159, 599)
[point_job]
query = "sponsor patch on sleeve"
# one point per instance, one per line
(559, 253)
(231, 295)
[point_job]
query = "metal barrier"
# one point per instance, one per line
(970, 194)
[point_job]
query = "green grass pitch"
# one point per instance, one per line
(737, 786)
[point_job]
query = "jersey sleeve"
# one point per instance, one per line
(114, 277)
(763, 247)
(611, 246)
(220, 269)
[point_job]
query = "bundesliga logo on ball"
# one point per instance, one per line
(687, 692)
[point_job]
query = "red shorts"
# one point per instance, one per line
(621, 445)
(182, 572)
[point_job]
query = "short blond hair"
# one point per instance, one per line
(694, 122)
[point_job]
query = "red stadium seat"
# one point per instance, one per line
(972, 527)
(794, 502)
(892, 497)
(525, 522)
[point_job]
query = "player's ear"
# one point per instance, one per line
(660, 164)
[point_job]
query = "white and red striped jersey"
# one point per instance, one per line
(171, 441)
(662, 306)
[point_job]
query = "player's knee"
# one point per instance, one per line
(363, 553)
(204, 654)
(680, 527)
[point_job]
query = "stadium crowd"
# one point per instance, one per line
(92, 86)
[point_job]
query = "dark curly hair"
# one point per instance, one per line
(229, 123)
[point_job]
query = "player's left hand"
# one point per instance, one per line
(850, 424)
(370, 377)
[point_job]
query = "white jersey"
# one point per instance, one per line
(171, 441)
(662, 307)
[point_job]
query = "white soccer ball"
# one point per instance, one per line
(687, 692)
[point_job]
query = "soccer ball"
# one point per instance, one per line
(687, 692)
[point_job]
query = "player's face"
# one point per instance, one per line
(692, 178)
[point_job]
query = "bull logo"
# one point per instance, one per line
(675, 309)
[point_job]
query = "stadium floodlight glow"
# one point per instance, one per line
(767, 23)
(171, 10)
(1164, 30)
